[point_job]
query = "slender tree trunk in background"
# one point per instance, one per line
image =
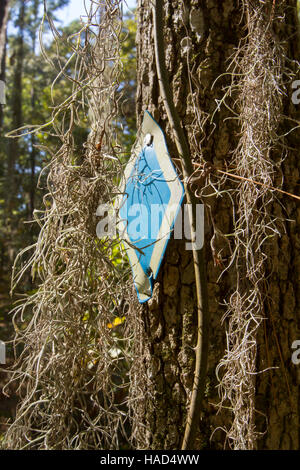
(200, 39)
(3, 24)
(33, 152)
(4, 8)
(16, 99)
(17, 121)
(32, 176)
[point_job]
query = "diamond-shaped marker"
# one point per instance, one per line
(152, 196)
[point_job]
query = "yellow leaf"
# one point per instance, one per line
(116, 322)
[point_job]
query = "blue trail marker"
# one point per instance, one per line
(152, 196)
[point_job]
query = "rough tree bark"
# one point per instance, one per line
(209, 32)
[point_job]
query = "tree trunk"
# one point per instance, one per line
(33, 152)
(200, 40)
(3, 24)
(13, 150)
